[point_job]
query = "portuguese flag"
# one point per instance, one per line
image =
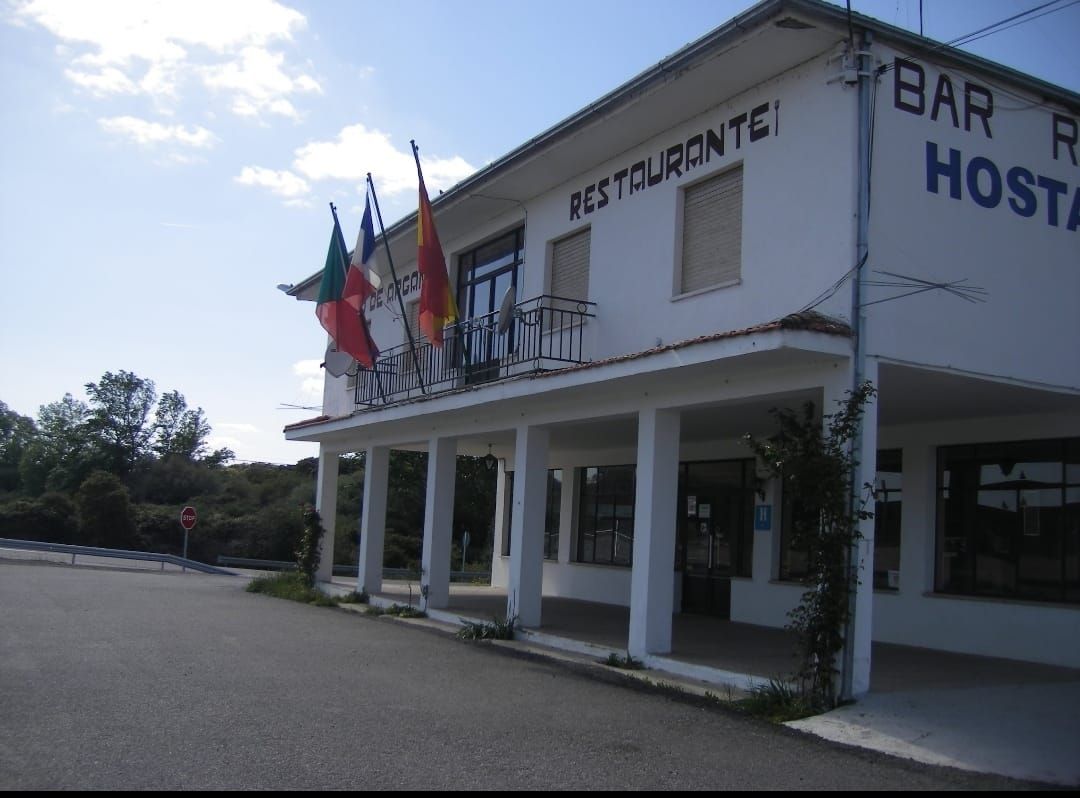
(437, 306)
(337, 312)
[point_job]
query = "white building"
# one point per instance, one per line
(683, 253)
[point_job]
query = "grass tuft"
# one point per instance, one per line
(480, 630)
(778, 702)
(396, 610)
(291, 586)
(626, 663)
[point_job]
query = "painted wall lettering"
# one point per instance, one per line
(1065, 132)
(987, 185)
(678, 159)
(386, 294)
(910, 95)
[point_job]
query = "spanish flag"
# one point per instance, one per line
(437, 305)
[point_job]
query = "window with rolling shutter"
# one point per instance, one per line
(712, 232)
(570, 266)
(412, 319)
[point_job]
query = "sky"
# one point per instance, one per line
(165, 165)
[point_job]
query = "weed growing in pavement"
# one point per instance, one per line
(396, 610)
(627, 663)
(480, 630)
(292, 586)
(778, 702)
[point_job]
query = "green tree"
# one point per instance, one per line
(16, 434)
(179, 431)
(64, 451)
(120, 407)
(105, 512)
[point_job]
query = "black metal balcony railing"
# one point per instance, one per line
(543, 332)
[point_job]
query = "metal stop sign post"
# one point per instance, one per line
(188, 517)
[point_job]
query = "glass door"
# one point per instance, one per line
(716, 508)
(485, 274)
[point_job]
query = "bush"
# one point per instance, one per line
(53, 518)
(105, 512)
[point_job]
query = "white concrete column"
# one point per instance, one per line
(373, 519)
(866, 454)
(652, 578)
(525, 588)
(438, 523)
(326, 504)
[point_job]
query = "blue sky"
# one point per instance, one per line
(166, 164)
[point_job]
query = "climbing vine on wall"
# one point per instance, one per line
(817, 466)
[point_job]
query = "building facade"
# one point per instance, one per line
(780, 210)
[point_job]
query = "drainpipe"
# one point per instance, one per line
(858, 327)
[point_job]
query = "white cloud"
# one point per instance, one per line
(108, 81)
(150, 133)
(241, 427)
(152, 47)
(281, 183)
(357, 150)
(257, 83)
(311, 385)
(223, 442)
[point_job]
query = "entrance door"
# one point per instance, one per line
(485, 273)
(716, 515)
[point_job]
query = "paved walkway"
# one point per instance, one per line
(977, 713)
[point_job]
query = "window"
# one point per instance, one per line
(887, 483)
(712, 232)
(888, 503)
(1008, 520)
(412, 321)
(485, 273)
(570, 266)
(606, 517)
(551, 516)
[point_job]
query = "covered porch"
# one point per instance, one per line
(723, 652)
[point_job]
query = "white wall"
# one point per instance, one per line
(1029, 326)
(798, 225)
(797, 221)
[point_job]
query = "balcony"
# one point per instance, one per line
(540, 334)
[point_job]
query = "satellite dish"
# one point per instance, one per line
(337, 363)
(506, 311)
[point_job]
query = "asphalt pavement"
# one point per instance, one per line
(118, 679)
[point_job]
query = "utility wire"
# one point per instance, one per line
(990, 29)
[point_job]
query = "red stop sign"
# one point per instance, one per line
(187, 517)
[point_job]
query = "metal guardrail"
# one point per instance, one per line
(346, 570)
(543, 333)
(119, 554)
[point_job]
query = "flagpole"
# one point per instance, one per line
(393, 274)
(363, 321)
